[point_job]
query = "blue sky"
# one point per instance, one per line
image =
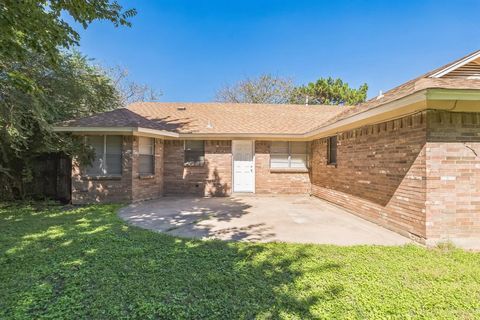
(189, 49)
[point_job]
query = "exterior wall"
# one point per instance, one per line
(127, 188)
(151, 186)
(380, 174)
(453, 178)
(277, 182)
(104, 189)
(212, 179)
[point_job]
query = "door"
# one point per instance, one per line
(243, 168)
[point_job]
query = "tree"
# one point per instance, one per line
(264, 89)
(38, 27)
(329, 91)
(41, 83)
(73, 89)
(129, 90)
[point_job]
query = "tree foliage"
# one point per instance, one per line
(131, 91)
(38, 26)
(277, 90)
(73, 89)
(264, 89)
(329, 91)
(42, 81)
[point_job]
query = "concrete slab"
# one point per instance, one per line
(300, 219)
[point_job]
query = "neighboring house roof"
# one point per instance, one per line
(217, 119)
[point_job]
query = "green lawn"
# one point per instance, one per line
(86, 263)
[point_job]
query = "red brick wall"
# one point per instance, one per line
(103, 189)
(453, 177)
(380, 173)
(269, 182)
(212, 179)
(147, 187)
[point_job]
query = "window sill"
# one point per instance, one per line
(193, 165)
(288, 170)
(332, 165)
(112, 177)
(144, 176)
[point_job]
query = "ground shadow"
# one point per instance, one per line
(85, 263)
(197, 217)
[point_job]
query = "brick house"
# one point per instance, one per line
(408, 160)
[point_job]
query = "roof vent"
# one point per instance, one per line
(209, 125)
(380, 95)
(181, 108)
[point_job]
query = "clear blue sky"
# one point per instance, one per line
(189, 49)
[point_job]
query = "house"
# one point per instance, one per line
(408, 160)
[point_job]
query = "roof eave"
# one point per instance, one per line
(459, 100)
(117, 130)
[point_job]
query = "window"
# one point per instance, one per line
(284, 154)
(108, 155)
(194, 153)
(146, 158)
(332, 150)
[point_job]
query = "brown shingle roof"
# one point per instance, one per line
(215, 118)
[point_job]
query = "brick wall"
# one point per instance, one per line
(269, 182)
(453, 177)
(380, 174)
(147, 187)
(103, 189)
(212, 179)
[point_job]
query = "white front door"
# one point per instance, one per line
(243, 167)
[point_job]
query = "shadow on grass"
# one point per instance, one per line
(86, 263)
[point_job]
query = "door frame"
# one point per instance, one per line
(253, 165)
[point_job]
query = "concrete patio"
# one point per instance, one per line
(300, 219)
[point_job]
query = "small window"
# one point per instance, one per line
(284, 154)
(108, 155)
(194, 153)
(146, 158)
(332, 150)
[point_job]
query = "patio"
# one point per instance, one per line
(296, 219)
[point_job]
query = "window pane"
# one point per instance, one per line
(332, 150)
(97, 167)
(194, 153)
(298, 161)
(146, 145)
(278, 160)
(298, 147)
(279, 147)
(114, 155)
(194, 145)
(146, 164)
(114, 164)
(114, 144)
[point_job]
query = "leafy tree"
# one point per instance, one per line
(37, 26)
(264, 89)
(41, 83)
(329, 91)
(74, 88)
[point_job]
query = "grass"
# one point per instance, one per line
(86, 263)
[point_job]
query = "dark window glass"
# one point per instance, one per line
(194, 153)
(332, 150)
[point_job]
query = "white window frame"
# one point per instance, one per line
(104, 159)
(289, 156)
